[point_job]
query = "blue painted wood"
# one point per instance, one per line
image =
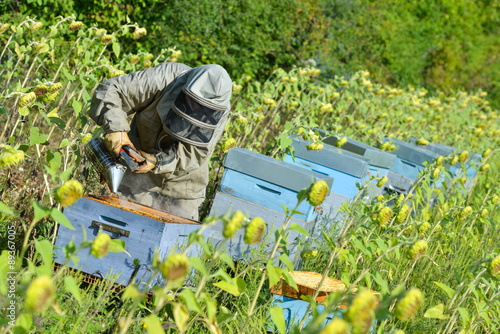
(145, 234)
(295, 309)
(235, 246)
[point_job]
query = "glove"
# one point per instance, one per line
(148, 165)
(114, 141)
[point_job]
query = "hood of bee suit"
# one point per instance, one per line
(194, 104)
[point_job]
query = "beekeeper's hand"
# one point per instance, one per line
(147, 165)
(114, 141)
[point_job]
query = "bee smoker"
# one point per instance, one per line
(107, 165)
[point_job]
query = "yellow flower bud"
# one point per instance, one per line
(360, 312)
(269, 102)
(175, 268)
(228, 144)
(232, 225)
(494, 200)
(116, 73)
(454, 160)
(399, 200)
(422, 230)
(85, 138)
(440, 161)
(484, 168)
(463, 156)
(134, 60)
(336, 326)
(147, 57)
(380, 198)
(382, 181)
(10, 157)
(69, 192)
(254, 231)
(318, 193)
(435, 173)
(384, 216)
(40, 295)
(308, 254)
(486, 153)
(26, 100)
(422, 142)
(55, 88)
(106, 39)
(36, 26)
(385, 146)
(464, 213)
(100, 246)
(75, 26)
(494, 266)
(139, 32)
(484, 213)
(4, 27)
(341, 142)
(40, 90)
(416, 250)
(402, 214)
(408, 306)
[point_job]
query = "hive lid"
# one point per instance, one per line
(333, 157)
(272, 170)
(411, 152)
(375, 156)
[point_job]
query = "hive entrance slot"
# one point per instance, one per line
(112, 221)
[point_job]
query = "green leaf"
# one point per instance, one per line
(77, 106)
(66, 174)
(59, 217)
(328, 240)
(40, 212)
(190, 300)
(198, 265)
(285, 209)
(446, 289)
(181, 316)
(278, 319)
(297, 228)
(274, 273)
(153, 324)
(464, 314)
(116, 246)
(67, 74)
(384, 285)
(286, 260)
(116, 49)
(24, 320)
(436, 312)
(289, 279)
(71, 287)
(227, 260)
(36, 137)
(8, 210)
(235, 288)
(64, 143)
(130, 292)
(44, 248)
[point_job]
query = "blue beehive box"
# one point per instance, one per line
(344, 167)
(379, 162)
(259, 185)
(445, 150)
(409, 162)
(142, 228)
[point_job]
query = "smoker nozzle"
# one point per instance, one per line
(107, 165)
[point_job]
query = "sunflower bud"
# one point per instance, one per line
(402, 214)
(384, 215)
(416, 250)
(463, 180)
(398, 201)
(55, 88)
(175, 268)
(86, 138)
(106, 39)
(454, 160)
(116, 73)
(422, 142)
(326, 108)
(100, 246)
(139, 32)
(36, 26)
(254, 231)
(318, 193)
(228, 144)
(464, 213)
(269, 102)
(10, 157)
(40, 295)
(382, 181)
(314, 147)
(75, 26)
(308, 254)
(440, 161)
(463, 156)
(408, 306)
(484, 168)
(4, 27)
(435, 173)
(26, 100)
(336, 326)
(40, 47)
(69, 193)
(484, 213)
(147, 64)
(360, 312)
(134, 60)
(380, 198)
(40, 90)
(341, 142)
(494, 267)
(147, 57)
(233, 224)
(486, 153)
(494, 200)
(422, 230)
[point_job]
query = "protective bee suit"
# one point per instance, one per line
(179, 114)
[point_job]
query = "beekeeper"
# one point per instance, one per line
(179, 114)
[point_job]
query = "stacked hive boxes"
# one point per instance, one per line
(259, 186)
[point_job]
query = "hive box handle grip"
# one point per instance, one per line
(105, 227)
